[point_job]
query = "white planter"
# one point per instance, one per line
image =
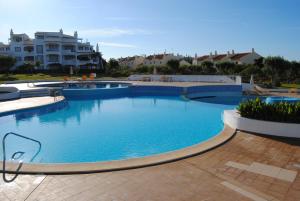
(234, 120)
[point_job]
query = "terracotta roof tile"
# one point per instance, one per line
(202, 58)
(238, 56)
(219, 57)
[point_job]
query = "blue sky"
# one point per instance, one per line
(130, 27)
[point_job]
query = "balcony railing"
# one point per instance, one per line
(69, 62)
(53, 61)
(52, 50)
(69, 51)
(52, 39)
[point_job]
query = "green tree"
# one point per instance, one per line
(251, 70)
(208, 67)
(294, 72)
(259, 62)
(6, 63)
(276, 68)
(113, 64)
(226, 68)
(174, 65)
(38, 64)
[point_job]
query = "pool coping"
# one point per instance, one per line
(83, 168)
(59, 99)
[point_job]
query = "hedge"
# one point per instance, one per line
(278, 112)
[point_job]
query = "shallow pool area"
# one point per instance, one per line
(112, 129)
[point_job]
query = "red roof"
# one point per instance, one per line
(239, 56)
(219, 57)
(202, 58)
(158, 56)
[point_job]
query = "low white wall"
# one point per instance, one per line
(191, 78)
(13, 93)
(234, 120)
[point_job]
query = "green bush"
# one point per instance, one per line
(278, 112)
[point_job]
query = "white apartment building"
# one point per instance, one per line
(50, 49)
(237, 58)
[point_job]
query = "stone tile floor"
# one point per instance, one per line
(204, 177)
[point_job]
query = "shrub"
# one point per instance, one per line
(278, 112)
(143, 69)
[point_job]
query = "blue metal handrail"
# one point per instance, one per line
(15, 155)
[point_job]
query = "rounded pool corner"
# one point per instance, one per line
(119, 128)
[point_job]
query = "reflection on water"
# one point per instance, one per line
(75, 109)
(226, 100)
(28, 114)
(113, 129)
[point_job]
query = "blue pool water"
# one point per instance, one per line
(113, 129)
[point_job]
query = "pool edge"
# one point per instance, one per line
(84, 168)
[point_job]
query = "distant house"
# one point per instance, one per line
(160, 59)
(237, 58)
(131, 62)
(184, 63)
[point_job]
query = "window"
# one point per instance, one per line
(39, 49)
(80, 48)
(17, 49)
(17, 39)
(39, 36)
(40, 58)
(7, 49)
(87, 48)
(19, 58)
(1, 48)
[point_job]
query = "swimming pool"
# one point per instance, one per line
(109, 129)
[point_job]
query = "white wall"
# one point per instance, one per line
(234, 120)
(190, 78)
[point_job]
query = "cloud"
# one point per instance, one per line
(113, 32)
(117, 45)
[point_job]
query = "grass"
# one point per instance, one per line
(42, 76)
(289, 86)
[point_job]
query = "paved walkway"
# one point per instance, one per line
(248, 167)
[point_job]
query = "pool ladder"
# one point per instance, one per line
(16, 155)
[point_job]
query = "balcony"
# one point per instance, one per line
(69, 52)
(69, 62)
(84, 51)
(52, 50)
(84, 62)
(53, 58)
(29, 59)
(69, 40)
(52, 39)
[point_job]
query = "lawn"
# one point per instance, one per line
(289, 86)
(41, 76)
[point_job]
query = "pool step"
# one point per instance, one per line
(34, 93)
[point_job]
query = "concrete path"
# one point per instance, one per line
(25, 103)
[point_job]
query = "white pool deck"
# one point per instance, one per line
(25, 103)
